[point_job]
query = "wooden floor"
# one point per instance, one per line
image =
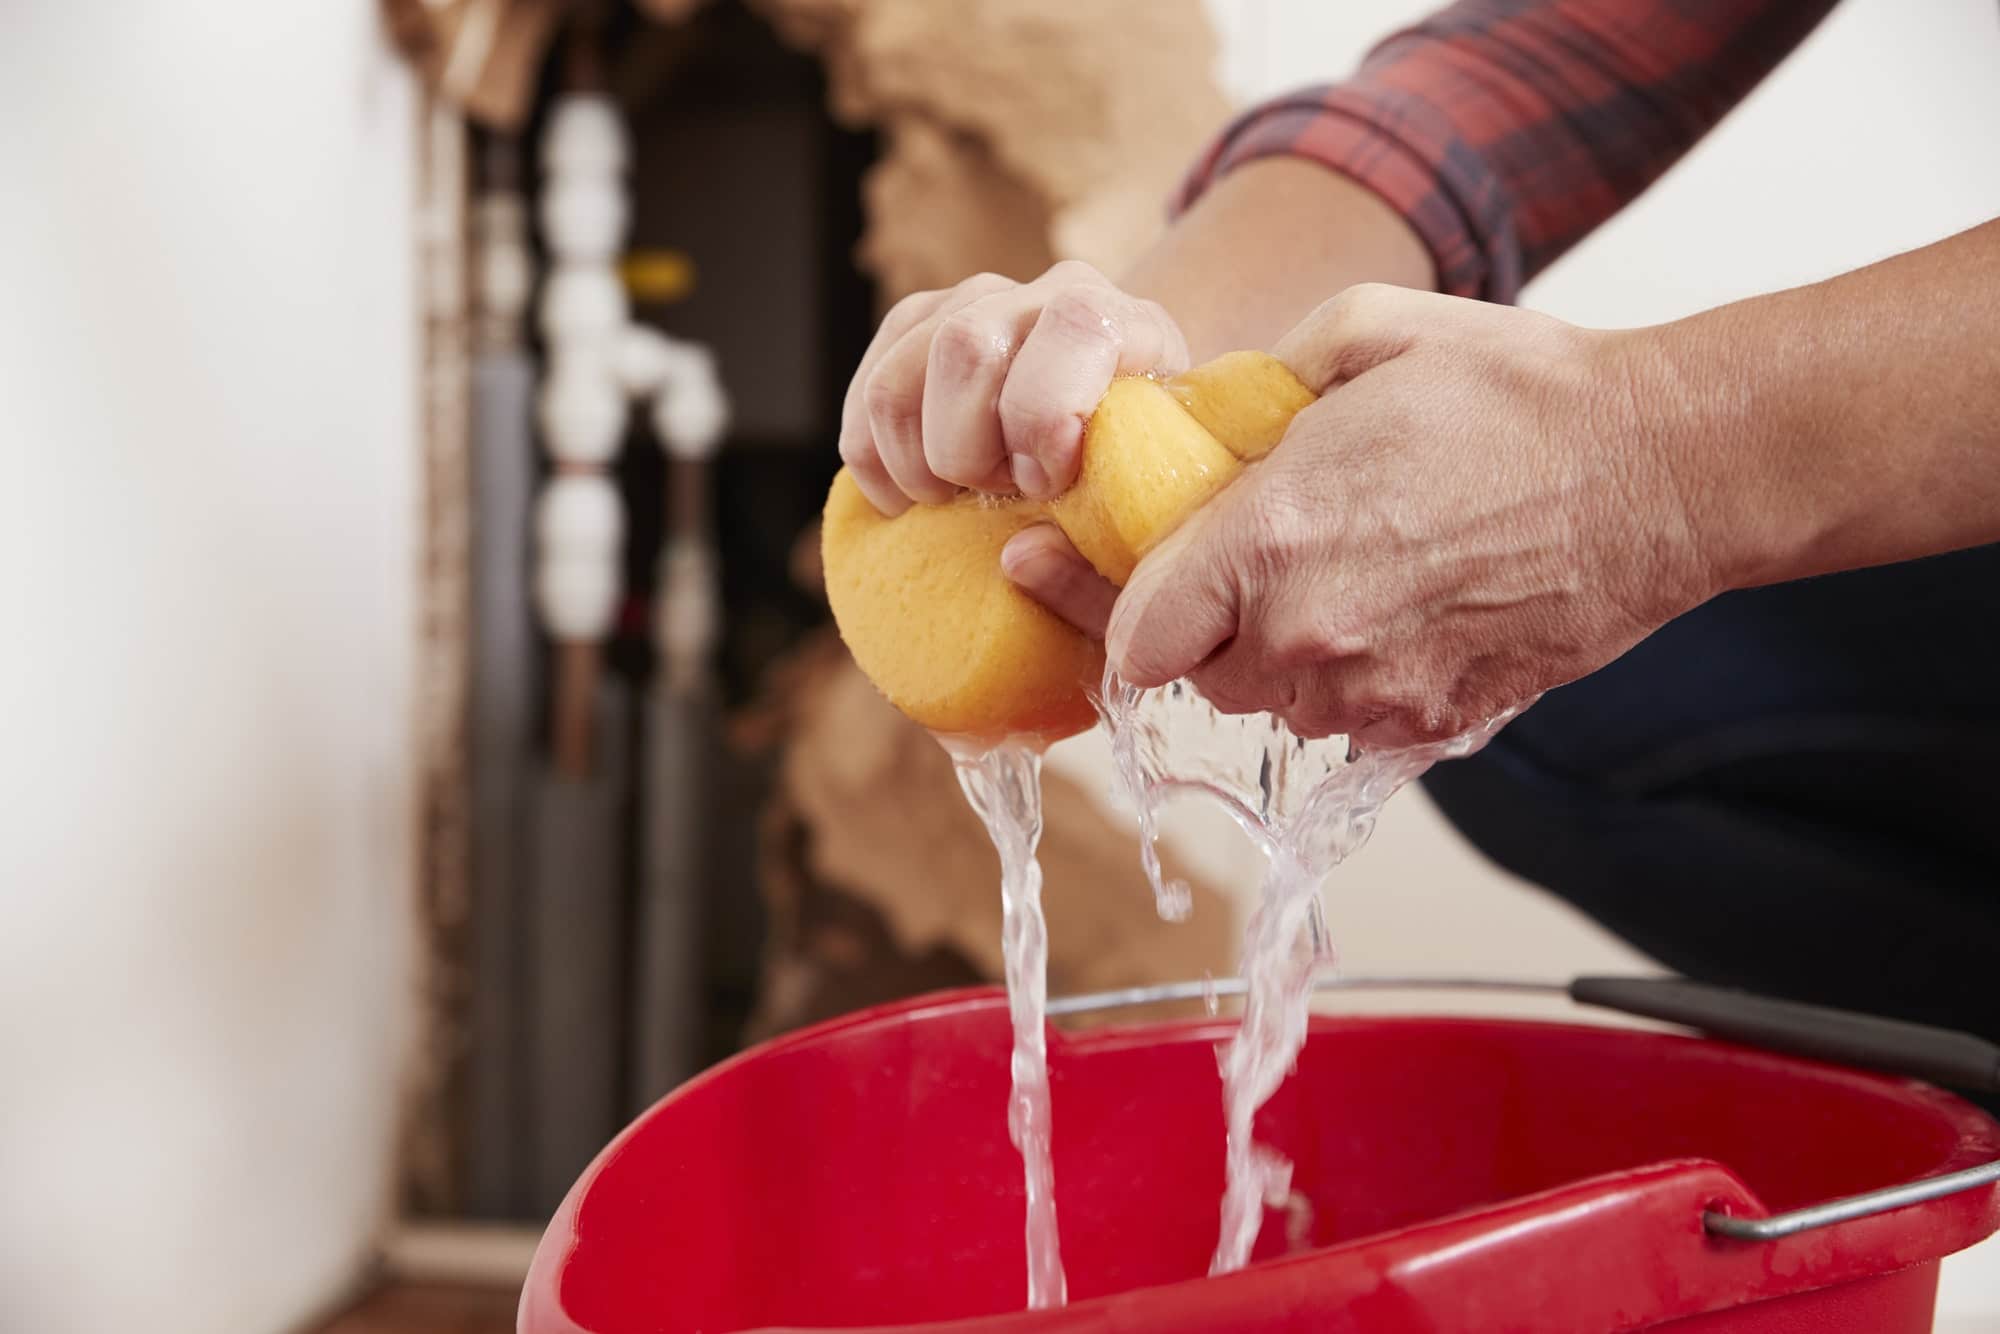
(428, 1308)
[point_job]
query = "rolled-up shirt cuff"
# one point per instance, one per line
(1401, 148)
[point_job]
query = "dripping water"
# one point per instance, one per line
(1004, 785)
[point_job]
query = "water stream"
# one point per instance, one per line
(1308, 804)
(1004, 784)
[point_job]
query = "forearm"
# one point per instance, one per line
(1488, 126)
(1268, 243)
(1854, 422)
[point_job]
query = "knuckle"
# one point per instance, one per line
(1314, 717)
(1437, 722)
(858, 451)
(1029, 421)
(1355, 306)
(887, 403)
(1364, 314)
(1339, 702)
(965, 344)
(1352, 330)
(1312, 643)
(1042, 436)
(1225, 693)
(960, 468)
(1400, 710)
(1303, 637)
(983, 283)
(1281, 536)
(1081, 312)
(910, 309)
(1297, 644)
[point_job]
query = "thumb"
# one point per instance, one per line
(1354, 331)
(1179, 606)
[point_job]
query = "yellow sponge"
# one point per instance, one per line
(935, 624)
(1244, 399)
(1147, 464)
(937, 627)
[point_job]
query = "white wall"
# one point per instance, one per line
(208, 511)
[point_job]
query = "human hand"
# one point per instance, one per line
(1474, 512)
(988, 385)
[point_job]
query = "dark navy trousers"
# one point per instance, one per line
(1793, 789)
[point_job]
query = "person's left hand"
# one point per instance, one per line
(1474, 512)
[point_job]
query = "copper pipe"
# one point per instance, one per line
(573, 718)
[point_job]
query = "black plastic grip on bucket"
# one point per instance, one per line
(1939, 1055)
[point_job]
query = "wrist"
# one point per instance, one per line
(1264, 246)
(1704, 425)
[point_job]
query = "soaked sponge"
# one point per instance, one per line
(932, 621)
(929, 616)
(1244, 399)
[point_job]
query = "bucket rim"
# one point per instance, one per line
(1679, 1188)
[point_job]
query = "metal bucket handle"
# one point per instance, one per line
(1892, 1046)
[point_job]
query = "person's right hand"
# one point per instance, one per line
(988, 385)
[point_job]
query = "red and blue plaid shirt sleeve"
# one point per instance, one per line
(1505, 130)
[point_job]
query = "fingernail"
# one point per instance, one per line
(1015, 555)
(1030, 478)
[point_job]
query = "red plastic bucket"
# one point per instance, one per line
(1464, 1175)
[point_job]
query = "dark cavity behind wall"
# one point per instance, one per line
(737, 165)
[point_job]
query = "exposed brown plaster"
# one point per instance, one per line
(1000, 115)
(443, 661)
(869, 813)
(1015, 130)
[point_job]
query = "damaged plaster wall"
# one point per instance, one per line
(869, 813)
(1016, 132)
